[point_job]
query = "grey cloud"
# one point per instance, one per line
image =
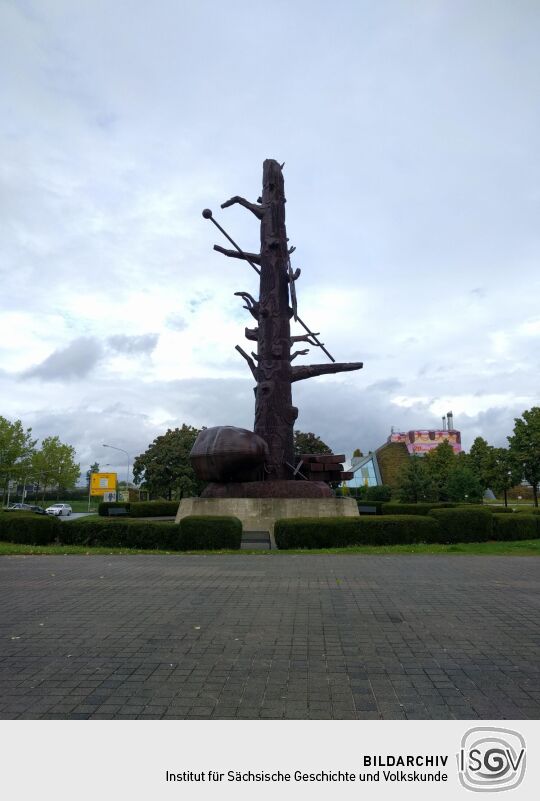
(432, 200)
(74, 361)
(143, 343)
(495, 425)
(105, 120)
(127, 422)
(348, 417)
(176, 322)
(345, 414)
(199, 299)
(385, 385)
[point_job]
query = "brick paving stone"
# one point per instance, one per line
(343, 637)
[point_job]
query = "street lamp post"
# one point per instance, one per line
(507, 486)
(127, 470)
(89, 488)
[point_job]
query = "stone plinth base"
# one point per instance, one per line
(260, 514)
(268, 489)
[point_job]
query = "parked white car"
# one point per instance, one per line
(59, 509)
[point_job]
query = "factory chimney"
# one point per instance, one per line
(450, 416)
(444, 423)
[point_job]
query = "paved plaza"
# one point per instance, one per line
(269, 636)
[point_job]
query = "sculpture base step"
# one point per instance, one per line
(255, 541)
(260, 514)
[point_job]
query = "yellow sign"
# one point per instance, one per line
(100, 483)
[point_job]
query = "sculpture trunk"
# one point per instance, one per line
(274, 412)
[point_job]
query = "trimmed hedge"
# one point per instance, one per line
(212, 533)
(29, 528)
(414, 508)
(464, 524)
(340, 532)
(517, 527)
(121, 534)
(154, 508)
(439, 525)
(141, 508)
(474, 506)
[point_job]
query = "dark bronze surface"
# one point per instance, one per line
(271, 365)
(227, 453)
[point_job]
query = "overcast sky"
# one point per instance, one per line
(410, 136)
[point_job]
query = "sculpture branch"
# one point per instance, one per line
(299, 353)
(252, 334)
(312, 370)
(304, 338)
(249, 360)
(257, 210)
(251, 304)
(234, 254)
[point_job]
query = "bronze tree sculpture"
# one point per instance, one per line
(271, 365)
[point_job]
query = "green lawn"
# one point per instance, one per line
(512, 504)
(121, 518)
(519, 548)
(80, 506)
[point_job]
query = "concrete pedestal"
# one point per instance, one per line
(260, 514)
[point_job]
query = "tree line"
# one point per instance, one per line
(52, 465)
(165, 470)
(442, 475)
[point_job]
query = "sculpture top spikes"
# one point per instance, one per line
(271, 365)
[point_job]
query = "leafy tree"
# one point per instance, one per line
(481, 460)
(504, 472)
(164, 467)
(463, 484)
(94, 468)
(525, 447)
(440, 462)
(54, 465)
(309, 443)
(357, 453)
(16, 448)
(381, 492)
(496, 468)
(416, 483)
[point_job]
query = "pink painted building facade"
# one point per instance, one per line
(421, 441)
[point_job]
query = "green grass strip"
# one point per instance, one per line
(518, 548)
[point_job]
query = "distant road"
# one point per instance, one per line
(75, 515)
